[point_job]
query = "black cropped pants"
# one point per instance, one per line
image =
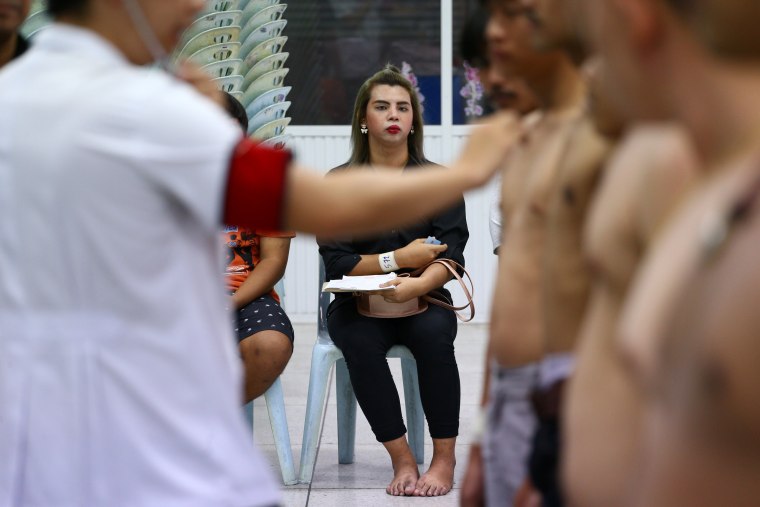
(430, 336)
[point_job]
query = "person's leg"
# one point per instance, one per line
(265, 356)
(547, 444)
(265, 337)
(510, 426)
(544, 462)
(430, 337)
(365, 342)
(405, 471)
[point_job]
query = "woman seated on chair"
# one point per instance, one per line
(387, 131)
(256, 261)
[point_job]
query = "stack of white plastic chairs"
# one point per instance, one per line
(37, 20)
(239, 43)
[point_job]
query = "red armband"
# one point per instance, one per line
(255, 195)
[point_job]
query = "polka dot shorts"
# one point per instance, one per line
(262, 314)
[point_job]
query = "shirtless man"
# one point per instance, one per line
(517, 323)
(565, 277)
(506, 94)
(689, 328)
(503, 93)
(604, 408)
(602, 412)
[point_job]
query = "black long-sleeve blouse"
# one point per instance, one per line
(449, 227)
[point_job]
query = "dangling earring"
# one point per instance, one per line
(411, 132)
(364, 128)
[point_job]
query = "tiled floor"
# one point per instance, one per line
(363, 482)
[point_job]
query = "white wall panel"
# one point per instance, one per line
(321, 148)
(326, 147)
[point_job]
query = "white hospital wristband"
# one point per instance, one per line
(387, 262)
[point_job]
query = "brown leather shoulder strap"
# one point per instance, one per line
(468, 292)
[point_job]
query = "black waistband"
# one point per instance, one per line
(547, 403)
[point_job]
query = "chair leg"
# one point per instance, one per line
(276, 408)
(415, 416)
(248, 411)
(346, 405)
(321, 363)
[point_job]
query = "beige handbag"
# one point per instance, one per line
(375, 305)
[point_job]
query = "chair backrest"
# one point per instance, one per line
(279, 288)
(323, 336)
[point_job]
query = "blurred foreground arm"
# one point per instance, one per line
(260, 194)
(374, 201)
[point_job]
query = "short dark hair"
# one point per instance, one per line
(236, 110)
(681, 6)
(58, 7)
(473, 41)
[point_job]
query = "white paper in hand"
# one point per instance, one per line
(359, 283)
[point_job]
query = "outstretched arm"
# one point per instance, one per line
(261, 194)
(374, 201)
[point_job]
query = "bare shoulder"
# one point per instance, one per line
(588, 150)
(669, 166)
(660, 144)
(636, 161)
(645, 180)
(612, 239)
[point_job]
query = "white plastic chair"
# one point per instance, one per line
(275, 401)
(323, 356)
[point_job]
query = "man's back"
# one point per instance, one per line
(119, 381)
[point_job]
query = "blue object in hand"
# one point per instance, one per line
(432, 241)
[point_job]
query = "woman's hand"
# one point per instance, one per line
(407, 288)
(418, 253)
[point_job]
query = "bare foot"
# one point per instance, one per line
(405, 477)
(438, 480)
